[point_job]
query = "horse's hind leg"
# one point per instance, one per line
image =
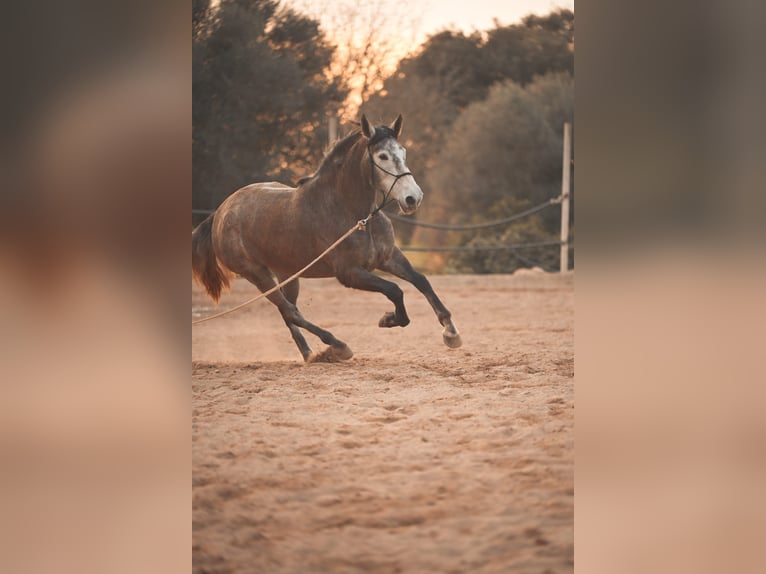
(399, 266)
(338, 351)
(290, 292)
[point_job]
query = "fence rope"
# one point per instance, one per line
(505, 220)
(442, 226)
(448, 227)
(486, 247)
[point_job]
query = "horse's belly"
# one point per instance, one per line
(285, 266)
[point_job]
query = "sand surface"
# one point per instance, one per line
(410, 457)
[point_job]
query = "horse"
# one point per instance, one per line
(270, 230)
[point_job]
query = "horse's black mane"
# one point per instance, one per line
(339, 150)
(343, 146)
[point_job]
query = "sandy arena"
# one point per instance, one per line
(410, 457)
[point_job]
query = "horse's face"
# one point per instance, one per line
(390, 161)
(390, 171)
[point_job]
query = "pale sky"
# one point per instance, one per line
(430, 16)
(409, 22)
(468, 15)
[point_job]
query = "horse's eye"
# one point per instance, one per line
(383, 156)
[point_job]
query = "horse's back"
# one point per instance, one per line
(241, 205)
(256, 191)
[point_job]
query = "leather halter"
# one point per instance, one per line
(396, 176)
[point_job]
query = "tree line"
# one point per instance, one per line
(483, 117)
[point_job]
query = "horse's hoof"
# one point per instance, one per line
(331, 355)
(343, 353)
(452, 340)
(326, 356)
(390, 320)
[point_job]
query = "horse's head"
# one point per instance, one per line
(390, 174)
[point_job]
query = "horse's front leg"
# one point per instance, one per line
(399, 266)
(359, 278)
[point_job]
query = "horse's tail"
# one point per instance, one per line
(205, 265)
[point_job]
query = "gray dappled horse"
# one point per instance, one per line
(270, 229)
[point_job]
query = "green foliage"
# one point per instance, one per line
(506, 261)
(501, 156)
(200, 9)
(260, 96)
(539, 45)
(505, 152)
(454, 62)
(462, 68)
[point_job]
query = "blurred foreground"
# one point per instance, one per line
(94, 409)
(670, 292)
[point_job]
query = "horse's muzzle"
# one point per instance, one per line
(409, 206)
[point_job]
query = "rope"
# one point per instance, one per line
(447, 227)
(358, 225)
(485, 247)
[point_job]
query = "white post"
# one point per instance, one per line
(565, 171)
(332, 129)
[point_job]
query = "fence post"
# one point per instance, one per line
(332, 129)
(565, 173)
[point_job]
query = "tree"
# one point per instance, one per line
(506, 150)
(464, 67)
(371, 36)
(539, 45)
(200, 9)
(503, 155)
(260, 96)
(496, 155)
(455, 62)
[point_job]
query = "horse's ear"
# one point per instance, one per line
(397, 125)
(367, 129)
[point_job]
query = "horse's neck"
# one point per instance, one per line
(344, 191)
(355, 186)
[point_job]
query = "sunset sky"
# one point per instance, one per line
(468, 15)
(425, 17)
